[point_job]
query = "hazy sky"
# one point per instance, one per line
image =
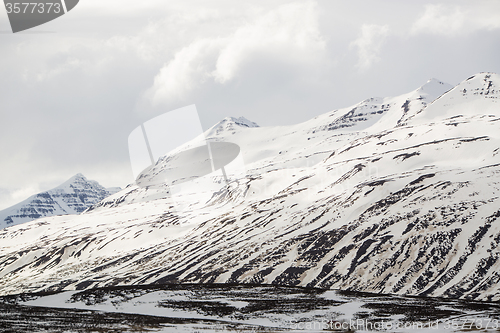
(73, 89)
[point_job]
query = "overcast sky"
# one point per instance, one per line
(73, 89)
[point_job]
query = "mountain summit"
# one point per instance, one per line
(478, 95)
(72, 197)
(230, 125)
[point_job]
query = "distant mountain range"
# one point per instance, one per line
(72, 197)
(396, 195)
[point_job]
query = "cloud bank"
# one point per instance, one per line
(72, 90)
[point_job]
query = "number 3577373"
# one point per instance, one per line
(33, 7)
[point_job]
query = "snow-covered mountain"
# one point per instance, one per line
(72, 197)
(396, 195)
(230, 124)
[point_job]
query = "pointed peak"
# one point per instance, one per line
(433, 85)
(434, 80)
(241, 121)
(432, 89)
(72, 197)
(230, 124)
(76, 178)
(482, 88)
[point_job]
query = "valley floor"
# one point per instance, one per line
(239, 308)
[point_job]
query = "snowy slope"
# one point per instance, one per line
(230, 124)
(404, 201)
(376, 114)
(72, 197)
(308, 143)
(478, 95)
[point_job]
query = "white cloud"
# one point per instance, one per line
(456, 20)
(69, 64)
(369, 43)
(292, 29)
(11, 197)
(289, 32)
(440, 19)
(190, 66)
(71, 97)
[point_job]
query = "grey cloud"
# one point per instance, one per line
(69, 99)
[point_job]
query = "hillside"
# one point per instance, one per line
(393, 195)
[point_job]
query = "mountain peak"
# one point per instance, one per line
(477, 95)
(436, 81)
(230, 124)
(77, 177)
(71, 197)
(378, 114)
(240, 121)
(432, 89)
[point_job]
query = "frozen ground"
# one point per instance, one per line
(239, 308)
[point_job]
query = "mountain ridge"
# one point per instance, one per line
(482, 90)
(409, 209)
